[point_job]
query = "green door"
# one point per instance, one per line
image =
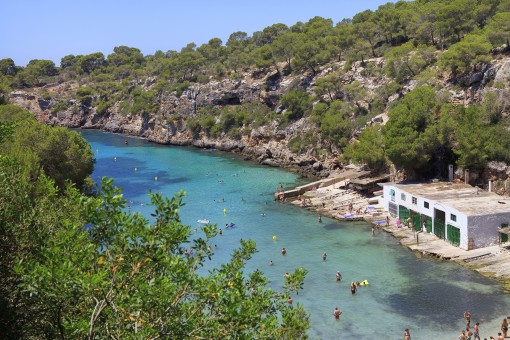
(453, 235)
(416, 218)
(504, 237)
(428, 224)
(403, 213)
(439, 228)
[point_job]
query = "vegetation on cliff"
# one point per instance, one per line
(400, 46)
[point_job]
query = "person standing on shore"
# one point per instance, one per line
(387, 221)
(476, 331)
(467, 316)
(407, 334)
(373, 231)
(504, 327)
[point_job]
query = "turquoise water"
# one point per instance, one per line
(427, 296)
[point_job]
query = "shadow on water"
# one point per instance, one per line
(441, 298)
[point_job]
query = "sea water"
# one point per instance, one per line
(405, 291)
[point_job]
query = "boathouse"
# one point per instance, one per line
(463, 215)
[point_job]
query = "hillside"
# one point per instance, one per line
(411, 87)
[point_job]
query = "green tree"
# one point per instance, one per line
(460, 57)
(297, 103)
(407, 142)
(91, 62)
(128, 277)
(369, 149)
(63, 155)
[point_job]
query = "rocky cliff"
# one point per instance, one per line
(267, 144)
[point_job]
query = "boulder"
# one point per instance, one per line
(475, 78)
(317, 166)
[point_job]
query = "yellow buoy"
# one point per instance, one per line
(136, 169)
(156, 178)
(224, 210)
(115, 158)
(274, 237)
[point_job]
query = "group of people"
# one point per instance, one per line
(474, 334)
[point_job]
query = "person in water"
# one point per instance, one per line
(353, 288)
(220, 232)
(407, 334)
(324, 256)
(284, 251)
(270, 262)
(504, 327)
(338, 276)
(337, 313)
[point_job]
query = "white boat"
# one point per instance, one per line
(203, 221)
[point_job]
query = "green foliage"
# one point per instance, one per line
(408, 142)
(461, 56)
(90, 62)
(476, 143)
(406, 61)
(84, 94)
(297, 103)
(63, 155)
(498, 29)
(369, 149)
(335, 125)
(144, 101)
(128, 277)
(308, 141)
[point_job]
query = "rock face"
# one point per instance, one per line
(266, 144)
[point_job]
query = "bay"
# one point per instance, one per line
(405, 291)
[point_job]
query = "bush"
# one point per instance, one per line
(298, 103)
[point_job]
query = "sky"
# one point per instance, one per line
(52, 29)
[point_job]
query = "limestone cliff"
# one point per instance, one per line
(267, 144)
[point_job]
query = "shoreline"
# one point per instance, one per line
(334, 202)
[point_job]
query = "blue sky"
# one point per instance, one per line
(52, 29)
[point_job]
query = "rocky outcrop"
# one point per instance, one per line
(266, 144)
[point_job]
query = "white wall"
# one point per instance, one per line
(484, 229)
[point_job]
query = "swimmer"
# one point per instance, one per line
(263, 214)
(270, 262)
(220, 232)
(289, 302)
(353, 288)
(284, 251)
(338, 276)
(324, 256)
(226, 225)
(337, 313)
(320, 219)
(196, 230)
(286, 275)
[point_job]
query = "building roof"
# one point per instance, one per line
(469, 200)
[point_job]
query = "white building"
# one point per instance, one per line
(458, 213)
